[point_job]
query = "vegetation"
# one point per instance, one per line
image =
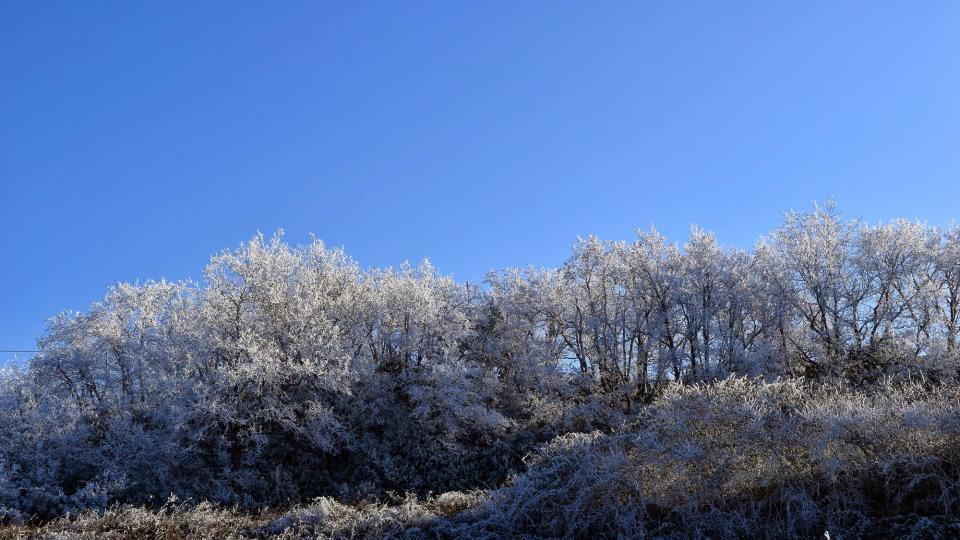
(643, 389)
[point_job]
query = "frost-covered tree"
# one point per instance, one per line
(276, 362)
(290, 372)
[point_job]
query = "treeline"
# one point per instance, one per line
(290, 373)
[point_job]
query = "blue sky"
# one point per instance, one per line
(138, 138)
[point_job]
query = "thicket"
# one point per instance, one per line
(643, 389)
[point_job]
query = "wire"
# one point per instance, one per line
(11, 350)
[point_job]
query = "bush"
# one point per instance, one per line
(741, 458)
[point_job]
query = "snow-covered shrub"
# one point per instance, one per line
(433, 429)
(742, 458)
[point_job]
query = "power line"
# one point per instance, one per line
(11, 350)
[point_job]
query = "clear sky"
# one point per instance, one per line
(138, 138)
